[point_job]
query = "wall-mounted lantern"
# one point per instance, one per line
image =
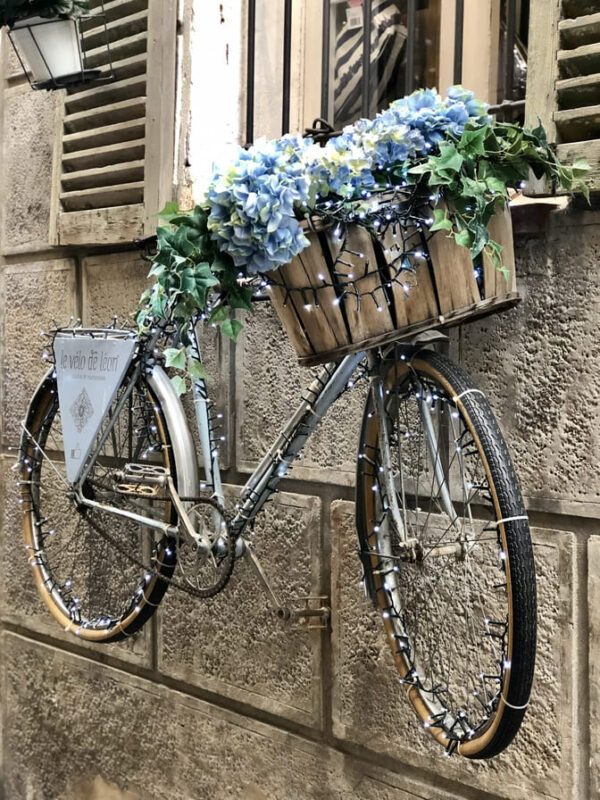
(61, 43)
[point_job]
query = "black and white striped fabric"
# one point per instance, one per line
(388, 37)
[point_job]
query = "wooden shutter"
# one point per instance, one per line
(116, 155)
(563, 82)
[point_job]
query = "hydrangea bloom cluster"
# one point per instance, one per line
(254, 201)
(253, 204)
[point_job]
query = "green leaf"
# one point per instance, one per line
(231, 328)
(179, 384)
(175, 358)
(220, 314)
(170, 210)
(464, 238)
(450, 158)
(196, 369)
(441, 221)
(472, 141)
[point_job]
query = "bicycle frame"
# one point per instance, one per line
(331, 381)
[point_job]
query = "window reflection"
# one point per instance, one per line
(389, 77)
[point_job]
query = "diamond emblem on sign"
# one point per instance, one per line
(82, 410)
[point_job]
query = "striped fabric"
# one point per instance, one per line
(388, 36)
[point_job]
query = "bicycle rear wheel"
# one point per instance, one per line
(101, 576)
(448, 560)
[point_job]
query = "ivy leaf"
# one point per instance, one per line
(480, 239)
(231, 328)
(450, 158)
(240, 297)
(169, 209)
(179, 384)
(496, 185)
(196, 369)
(220, 314)
(440, 221)
(175, 358)
(472, 141)
(464, 238)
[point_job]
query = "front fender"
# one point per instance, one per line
(182, 443)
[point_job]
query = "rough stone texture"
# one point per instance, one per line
(269, 385)
(369, 707)
(539, 365)
(113, 285)
(233, 644)
(36, 294)
(594, 662)
(79, 731)
(29, 125)
(20, 603)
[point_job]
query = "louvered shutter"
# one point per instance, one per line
(563, 82)
(116, 155)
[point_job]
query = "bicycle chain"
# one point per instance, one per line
(183, 587)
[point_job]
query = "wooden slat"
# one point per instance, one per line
(576, 124)
(588, 150)
(117, 30)
(113, 225)
(580, 31)
(102, 197)
(128, 172)
(101, 95)
(578, 8)
(580, 61)
(541, 51)
(117, 8)
(102, 156)
(110, 114)
(160, 125)
(577, 92)
(125, 48)
(371, 315)
(105, 135)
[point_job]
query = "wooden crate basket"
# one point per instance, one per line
(349, 292)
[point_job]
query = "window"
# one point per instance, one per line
(332, 69)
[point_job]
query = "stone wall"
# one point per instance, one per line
(219, 700)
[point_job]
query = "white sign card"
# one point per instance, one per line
(89, 372)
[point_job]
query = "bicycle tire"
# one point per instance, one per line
(115, 556)
(413, 377)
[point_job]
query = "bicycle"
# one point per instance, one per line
(443, 536)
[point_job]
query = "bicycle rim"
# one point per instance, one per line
(101, 576)
(458, 602)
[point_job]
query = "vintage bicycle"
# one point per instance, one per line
(117, 510)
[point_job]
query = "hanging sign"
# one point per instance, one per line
(89, 372)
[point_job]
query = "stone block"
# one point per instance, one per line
(538, 365)
(269, 386)
(233, 644)
(370, 708)
(20, 603)
(594, 662)
(30, 128)
(113, 285)
(36, 294)
(76, 730)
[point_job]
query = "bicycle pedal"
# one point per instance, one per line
(147, 474)
(137, 489)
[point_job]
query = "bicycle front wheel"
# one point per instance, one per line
(448, 558)
(101, 576)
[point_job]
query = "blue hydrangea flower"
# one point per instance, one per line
(255, 199)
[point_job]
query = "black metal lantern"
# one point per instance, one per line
(56, 53)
